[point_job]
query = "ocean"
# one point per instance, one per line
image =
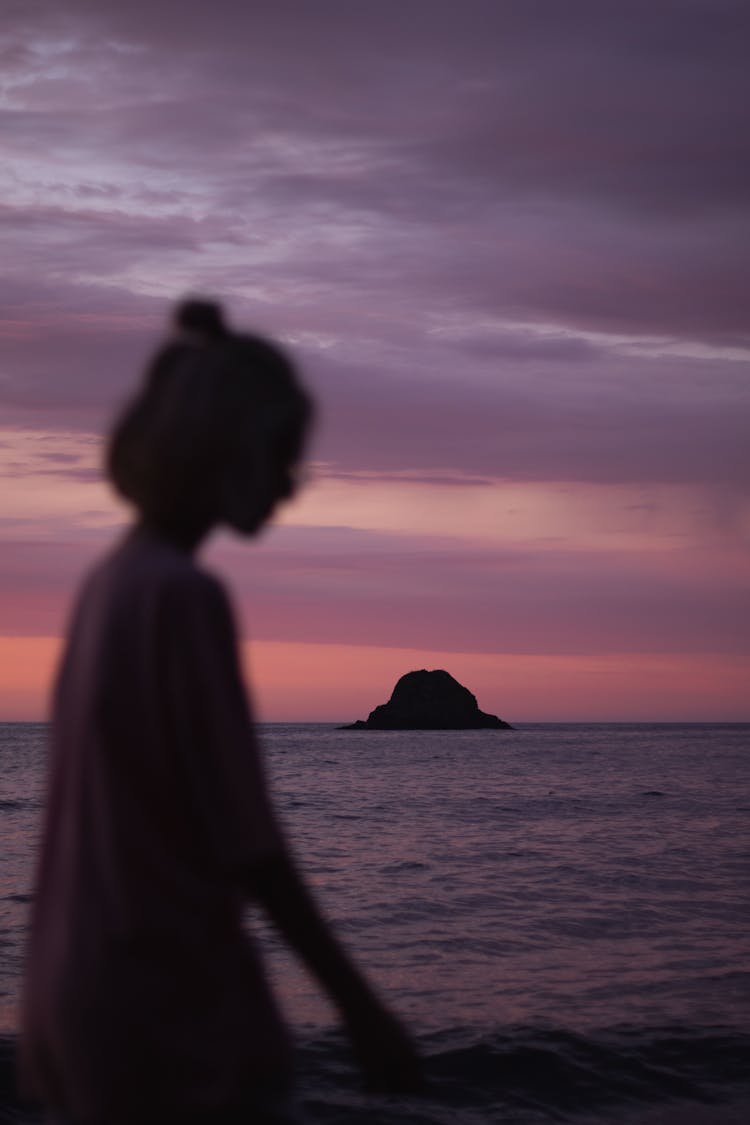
(559, 913)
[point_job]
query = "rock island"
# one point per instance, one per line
(429, 701)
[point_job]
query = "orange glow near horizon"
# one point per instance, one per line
(341, 683)
(27, 665)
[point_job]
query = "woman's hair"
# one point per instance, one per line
(207, 395)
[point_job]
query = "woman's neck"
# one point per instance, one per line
(185, 535)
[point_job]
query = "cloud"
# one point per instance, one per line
(500, 404)
(617, 421)
(423, 593)
(587, 170)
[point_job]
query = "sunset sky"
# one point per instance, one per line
(508, 242)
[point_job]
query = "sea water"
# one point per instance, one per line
(559, 913)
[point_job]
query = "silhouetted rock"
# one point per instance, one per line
(429, 701)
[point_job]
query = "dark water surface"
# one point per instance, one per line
(560, 913)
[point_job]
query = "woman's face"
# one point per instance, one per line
(257, 480)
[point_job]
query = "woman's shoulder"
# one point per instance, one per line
(144, 571)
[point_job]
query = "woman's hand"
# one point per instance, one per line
(384, 1050)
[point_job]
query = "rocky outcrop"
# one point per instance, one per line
(429, 701)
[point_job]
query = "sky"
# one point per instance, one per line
(507, 243)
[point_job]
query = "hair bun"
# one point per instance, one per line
(204, 318)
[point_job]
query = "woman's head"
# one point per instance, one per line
(217, 430)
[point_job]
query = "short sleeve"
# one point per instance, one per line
(209, 721)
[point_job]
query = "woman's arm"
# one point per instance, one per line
(382, 1046)
(211, 722)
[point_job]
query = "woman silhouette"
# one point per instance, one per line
(145, 1000)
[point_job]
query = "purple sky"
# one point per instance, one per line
(509, 244)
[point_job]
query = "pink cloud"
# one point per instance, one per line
(395, 591)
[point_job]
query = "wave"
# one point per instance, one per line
(517, 1076)
(564, 1076)
(14, 804)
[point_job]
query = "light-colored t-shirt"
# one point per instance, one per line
(144, 993)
